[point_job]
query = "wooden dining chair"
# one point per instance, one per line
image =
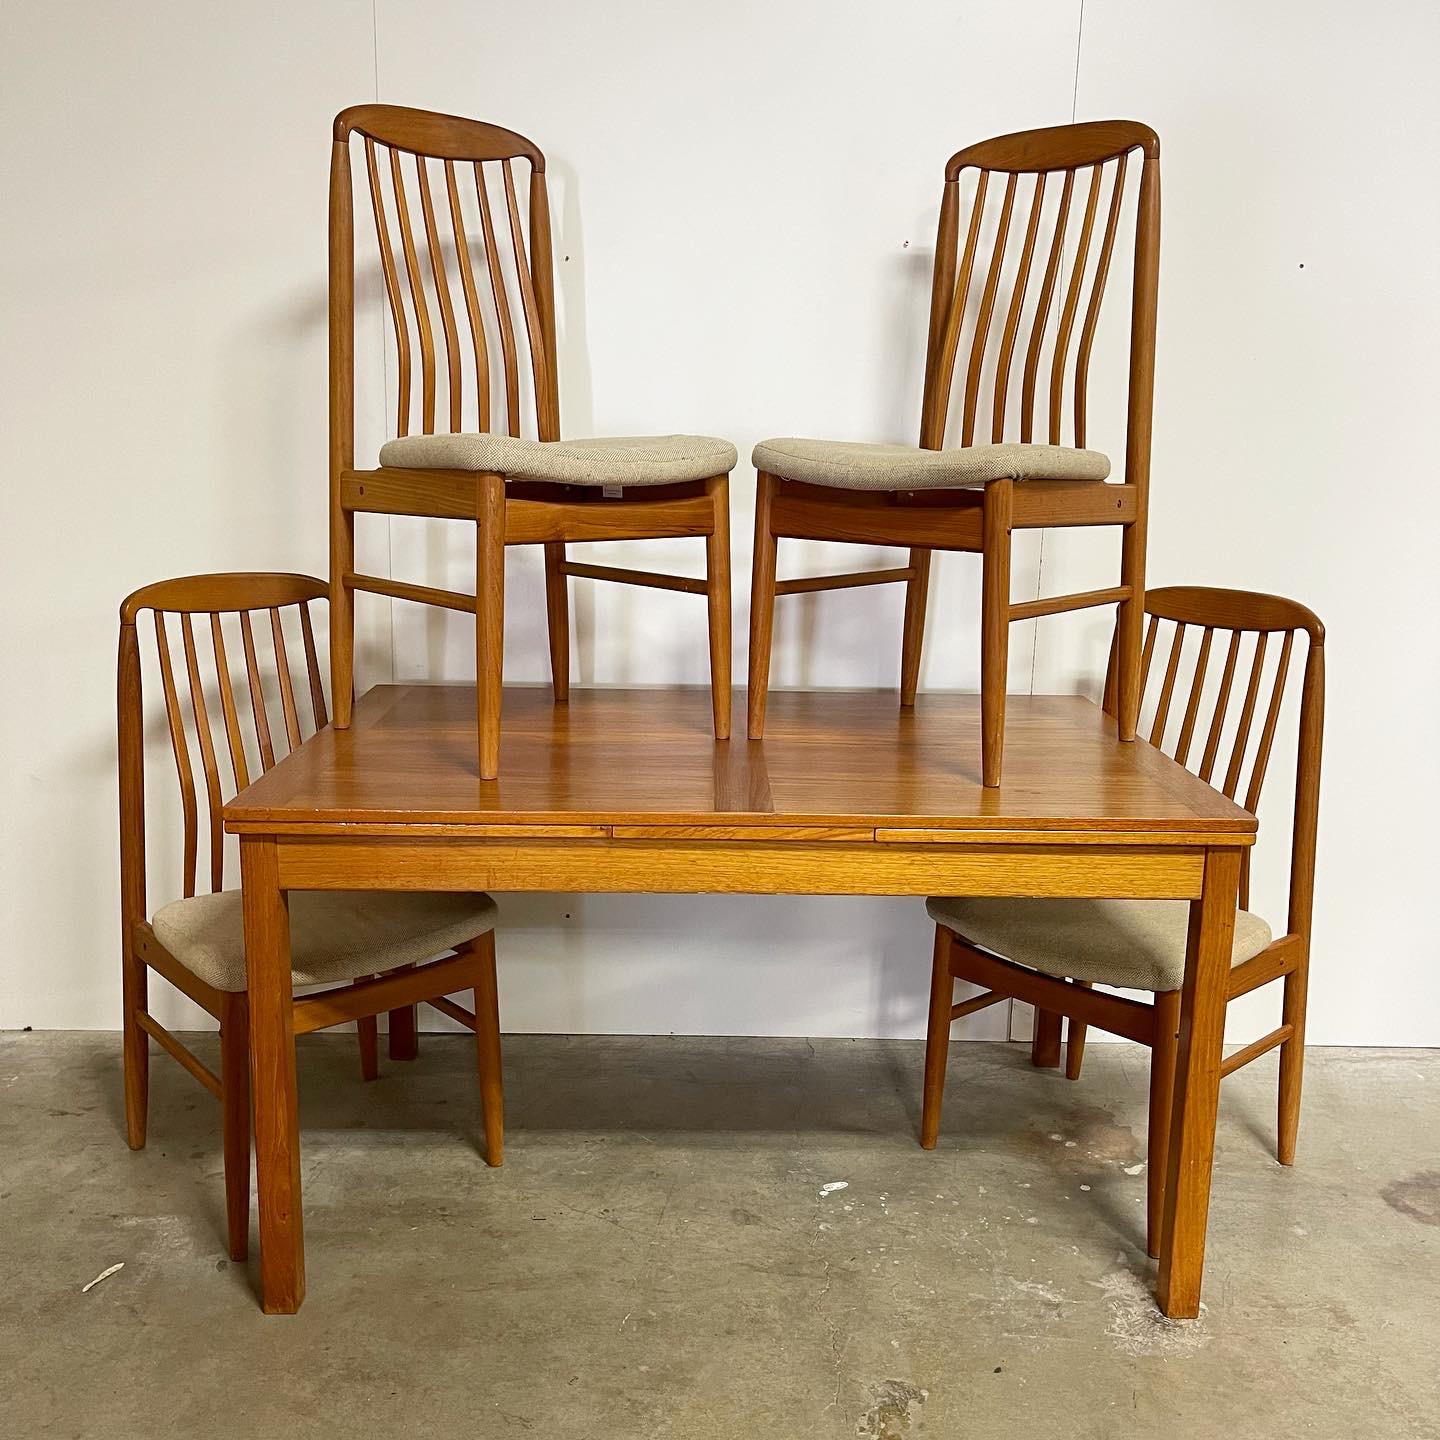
(1041, 298)
(1051, 953)
(466, 391)
(371, 952)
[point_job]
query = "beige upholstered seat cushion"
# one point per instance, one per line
(614, 460)
(846, 465)
(335, 935)
(1130, 944)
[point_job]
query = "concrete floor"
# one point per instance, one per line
(668, 1251)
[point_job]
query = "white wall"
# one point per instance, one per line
(745, 204)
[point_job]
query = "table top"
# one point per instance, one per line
(833, 765)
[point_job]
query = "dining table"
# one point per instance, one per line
(627, 791)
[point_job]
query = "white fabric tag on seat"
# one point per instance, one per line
(612, 492)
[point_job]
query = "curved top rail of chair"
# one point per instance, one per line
(214, 594)
(439, 137)
(1056, 147)
(1232, 610)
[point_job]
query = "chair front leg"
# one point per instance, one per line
(489, 619)
(717, 594)
(235, 1119)
(368, 1033)
(995, 626)
(1045, 1043)
(404, 1033)
(557, 619)
(762, 605)
(917, 593)
(937, 1039)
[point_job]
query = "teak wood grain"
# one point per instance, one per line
(626, 790)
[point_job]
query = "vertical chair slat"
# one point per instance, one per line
(1167, 688)
(312, 667)
(440, 278)
(201, 716)
(1247, 715)
(182, 752)
(542, 267)
(1197, 688)
(392, 290)
(233, 736)
(955, 319)
(472, 298)
(1017, 304)
(287, 689)
(502, 304)
(987, 307)
(257, 693)
(1097, 294)
(1072, 301)
(417, 295)
(1222, 704)
(1042, 311)
(1272, 718)
(533, 332)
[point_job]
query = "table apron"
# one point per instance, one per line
(748, 868)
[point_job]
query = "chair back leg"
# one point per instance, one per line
(717, 592)
(937, 1039)
(136, 1049)
(995, 626)
(917, 594)
(557, 619)
(235, 1119)
(487, 1047)
(1163, 1055)
(762, 606)
(1292, 1060)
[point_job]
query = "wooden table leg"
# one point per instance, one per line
(272, 1077)
(1197, 1086)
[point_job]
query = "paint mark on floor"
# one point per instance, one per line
(832, 1186)
(894, 1411)
(1417, 1196)
(1138, 1328)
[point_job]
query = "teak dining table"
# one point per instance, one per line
(628, 791)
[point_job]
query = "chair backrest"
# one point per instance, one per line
(479, 273)
(1052, 256)
(222, 739)
(1196, 730)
